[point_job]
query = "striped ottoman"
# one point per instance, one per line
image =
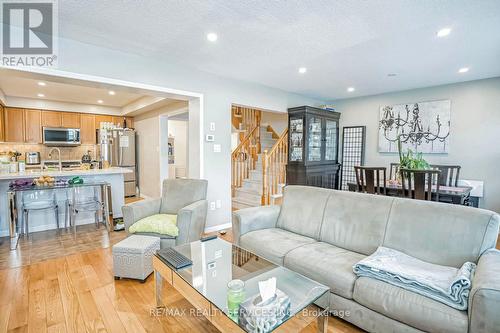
(132, 257)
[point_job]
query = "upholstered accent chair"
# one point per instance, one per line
(185, 198)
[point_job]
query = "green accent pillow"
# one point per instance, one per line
(164, 224)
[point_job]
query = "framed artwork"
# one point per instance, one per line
(422, 127)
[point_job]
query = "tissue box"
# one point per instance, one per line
(256, 316)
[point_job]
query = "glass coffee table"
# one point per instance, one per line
(216, 262)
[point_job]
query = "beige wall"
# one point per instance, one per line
(475, 129)
(179, 130)
(278, 120)
(147, 127)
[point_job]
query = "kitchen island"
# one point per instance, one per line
(44, 220)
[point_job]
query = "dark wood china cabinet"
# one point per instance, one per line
(313, 147)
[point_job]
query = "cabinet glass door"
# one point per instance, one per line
(314, 140)
(330, 140)
(296, 138)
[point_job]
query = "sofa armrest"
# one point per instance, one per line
(191, 222)
(135, 211)
(484, 299)
(254, 218)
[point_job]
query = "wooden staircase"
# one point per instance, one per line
(258, 164)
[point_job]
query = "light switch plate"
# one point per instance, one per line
(212, 205)
(218, 203)
(210, 137)
(212, 126)
(217, 148)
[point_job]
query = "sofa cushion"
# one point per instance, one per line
(302, 209)
(327, 264)
(424, 229)
(355, 221)
(273, 244)
(408, 307)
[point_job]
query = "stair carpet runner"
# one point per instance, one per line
(250, 194)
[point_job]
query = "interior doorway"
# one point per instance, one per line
(178, 145)
(259, 140)
(142, 108)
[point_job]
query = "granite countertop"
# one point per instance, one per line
(65, 173)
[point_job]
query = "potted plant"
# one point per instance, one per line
(411, 160)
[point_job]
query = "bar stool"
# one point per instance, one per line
(85, 199)
(38, 200)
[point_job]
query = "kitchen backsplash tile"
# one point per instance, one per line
(67, 153)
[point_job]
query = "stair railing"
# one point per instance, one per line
(274, 168)
(244, 157)
(244, 118)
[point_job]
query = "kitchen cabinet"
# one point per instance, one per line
(32, 126)
(2, 123)
(130, 122)
(87, 128)
(100, 118)
(51, 119)
(118, 121)
(14, 125)
(26, 125)
(70, 119)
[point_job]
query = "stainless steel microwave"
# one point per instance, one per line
(58, 136)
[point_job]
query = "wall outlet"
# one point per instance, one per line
(212, 205)
(212, 127)
(218, 203)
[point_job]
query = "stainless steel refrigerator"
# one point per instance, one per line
(117, 147)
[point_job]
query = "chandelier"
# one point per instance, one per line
(414, 133)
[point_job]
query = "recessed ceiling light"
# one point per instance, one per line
(212, 37)
(463, 70)
(443, 32)
(100, 101)
(111, 92)
(42, 84)
(350, 89)
(40, 95)
(302, 70)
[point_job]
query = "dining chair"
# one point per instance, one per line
(394, 171)
(449, 174)
(418, 184)
(371, 179)
(85, 199)
(38, 200)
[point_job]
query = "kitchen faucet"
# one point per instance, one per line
(59, 152)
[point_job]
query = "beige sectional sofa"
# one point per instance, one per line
(322, 233)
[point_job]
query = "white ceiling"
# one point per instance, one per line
(13, 85)
(342, 43)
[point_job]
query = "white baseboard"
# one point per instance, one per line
(218, 227)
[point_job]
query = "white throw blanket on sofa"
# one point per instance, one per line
(448, 285)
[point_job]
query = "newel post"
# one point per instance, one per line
(265, 161)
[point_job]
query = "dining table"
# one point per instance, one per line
(459, 195)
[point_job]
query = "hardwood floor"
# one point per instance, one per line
(50, 244)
